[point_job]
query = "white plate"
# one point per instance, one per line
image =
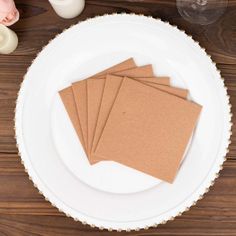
(110, 195)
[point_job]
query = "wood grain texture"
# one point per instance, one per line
(23, 211)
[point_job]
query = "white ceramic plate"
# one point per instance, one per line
(109, 195)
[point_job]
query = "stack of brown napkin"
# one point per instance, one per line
(128, 115)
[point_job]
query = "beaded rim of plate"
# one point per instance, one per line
(220, 167)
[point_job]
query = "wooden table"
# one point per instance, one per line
(23, 211)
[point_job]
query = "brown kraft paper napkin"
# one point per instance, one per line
(69, 104)
(148, 130)
(111, 89)
(67, 98)
(94, 97)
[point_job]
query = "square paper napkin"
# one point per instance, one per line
(148, 130)
(128, 115)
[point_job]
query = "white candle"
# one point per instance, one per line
(8, 40)
(68, 8)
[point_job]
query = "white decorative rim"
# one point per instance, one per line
(212, 176)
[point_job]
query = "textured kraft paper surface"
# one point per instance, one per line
(148, 130)
(67, 97)
(111, 89)
(95, 88)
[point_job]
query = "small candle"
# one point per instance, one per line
(68, 8)
(8, 40)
